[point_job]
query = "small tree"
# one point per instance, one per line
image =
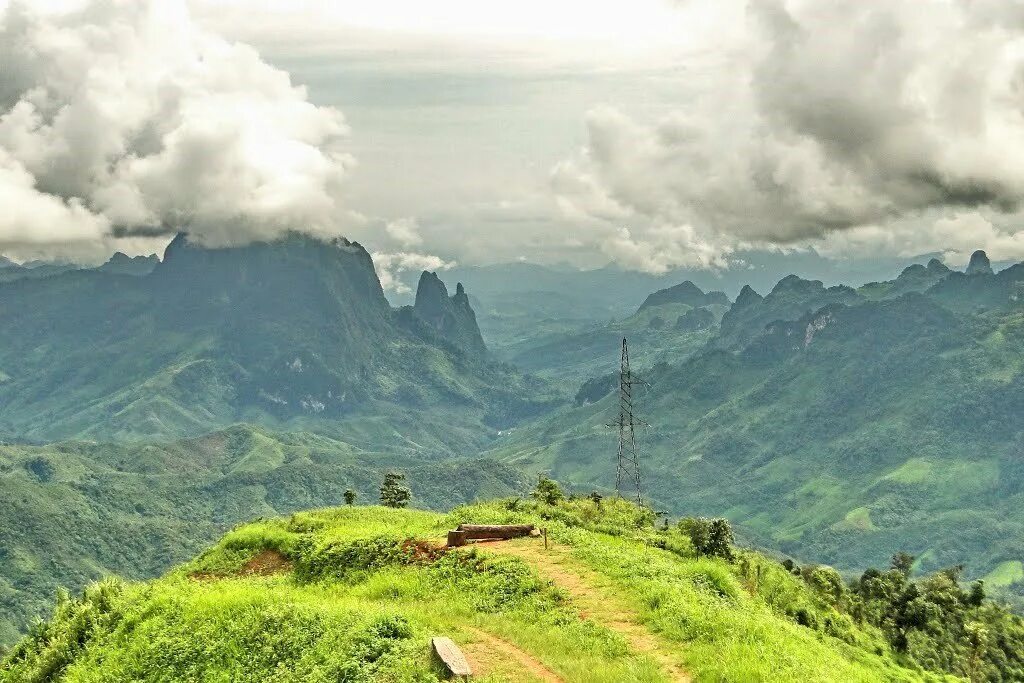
(721, 539)
(596, 497)
(547, 490)
(709, 537)
(903, 563)
(350, 497)
(393, 492)
(977, 594)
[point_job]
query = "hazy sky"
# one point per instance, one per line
(651, 133)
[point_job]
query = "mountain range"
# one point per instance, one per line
(295, 334)
(834, 423)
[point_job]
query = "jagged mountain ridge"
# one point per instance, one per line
(834, 423)
(296, 333)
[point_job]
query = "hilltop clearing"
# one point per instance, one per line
(356, 593)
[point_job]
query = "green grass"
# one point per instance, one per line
(358, 607)
(1005, 574)
(857, 519)
(913, 471)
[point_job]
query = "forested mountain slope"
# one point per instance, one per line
(291, 334)
(835, 425)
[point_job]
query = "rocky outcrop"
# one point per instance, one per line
(790, 299)
(450, 317)
(937, 267)
(748, 297)
(122, 264)
(695, 319)
(979, 264)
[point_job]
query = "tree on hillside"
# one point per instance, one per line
(350, 496)
(903, 562)
(393, 492)
(977, 594)
(709, 537)
(547, 490)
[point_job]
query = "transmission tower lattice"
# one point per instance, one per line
(627, 469)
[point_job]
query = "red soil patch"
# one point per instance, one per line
(423, 551)
(265, 563)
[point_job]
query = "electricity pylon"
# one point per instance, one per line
(627, 468)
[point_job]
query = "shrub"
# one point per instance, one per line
(547, 491)
(709, 537)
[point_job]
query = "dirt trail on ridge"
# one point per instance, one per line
(491, 652)
(595, 599)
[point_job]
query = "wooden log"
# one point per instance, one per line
(451, 656)
(456, 538)
(478, 531)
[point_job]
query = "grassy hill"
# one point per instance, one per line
(835, 425)
(355, 593)
(72, 512)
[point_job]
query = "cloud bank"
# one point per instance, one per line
(123, 119)
(389, 266)
(889, 121)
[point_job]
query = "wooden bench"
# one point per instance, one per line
(451, 657)
(488, 532)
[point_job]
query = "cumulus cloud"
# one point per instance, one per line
(390, 265)
(124, 119)
(825, 117)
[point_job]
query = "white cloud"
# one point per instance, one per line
(824, 117)
(124, 118)
(406, 231)
(956, 236)
(663, 248)
(389, 265)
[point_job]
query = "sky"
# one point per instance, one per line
(654, 134)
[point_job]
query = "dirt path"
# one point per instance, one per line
(595, 598)
(490, 654)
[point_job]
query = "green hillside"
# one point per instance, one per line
(834, 425)
(355, 594)
(75, 511)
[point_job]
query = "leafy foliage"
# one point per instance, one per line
(393, 493)
(709, 537)
(547, 491)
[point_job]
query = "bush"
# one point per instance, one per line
(547, 491)
(709, 537)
